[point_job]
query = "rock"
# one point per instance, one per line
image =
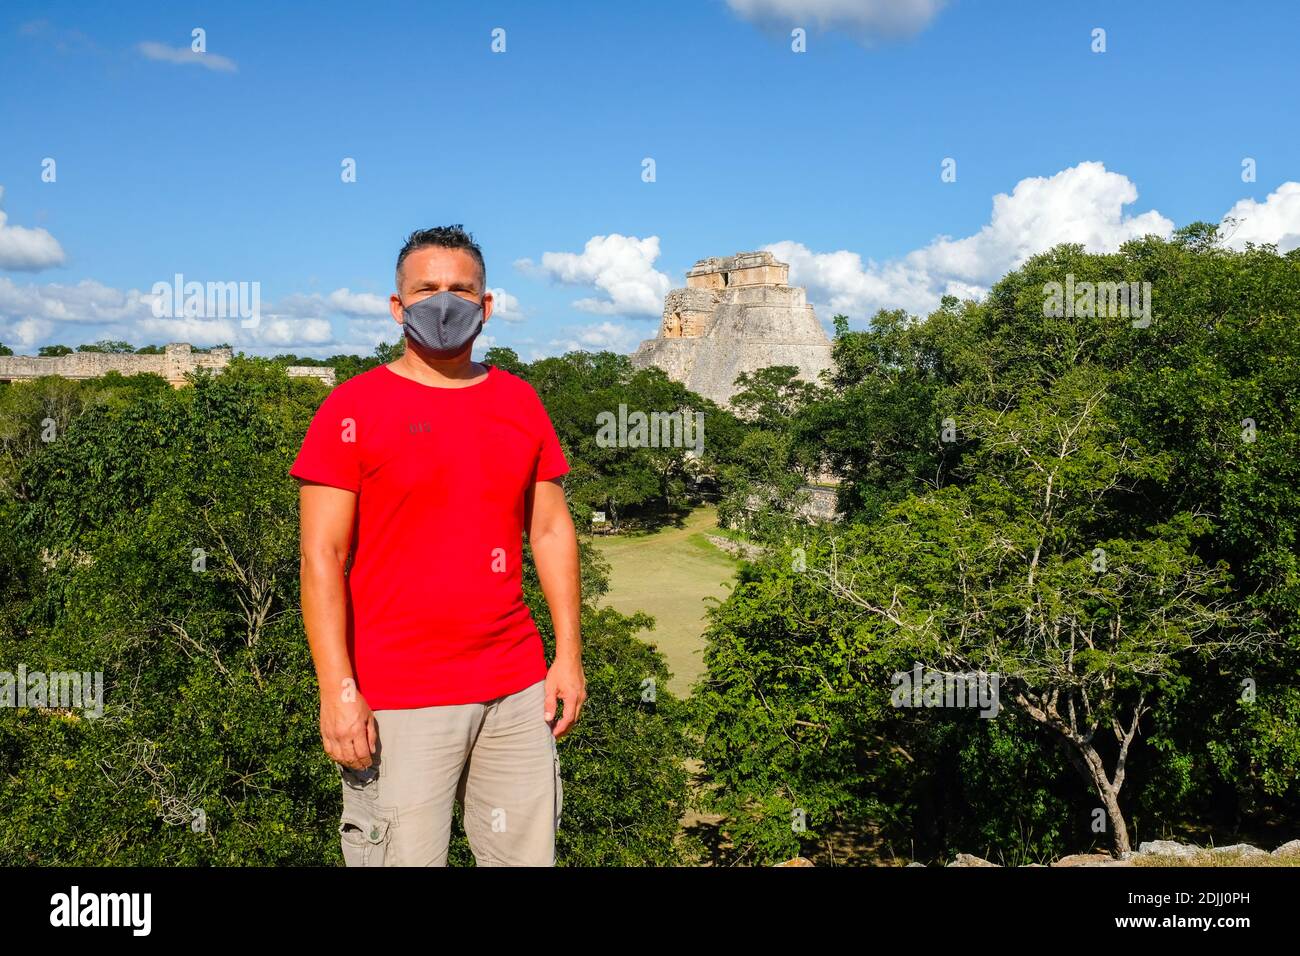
(914, 863)
(1287, 848)
(1167, 848)
(1092, 859)
(743, 549)
(797, 861)
(1237, 849)
(966, 859)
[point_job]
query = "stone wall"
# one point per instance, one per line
(176, 360)
(688, 313)
(326, 375)
(812, 503)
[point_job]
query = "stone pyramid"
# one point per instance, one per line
(737, 314)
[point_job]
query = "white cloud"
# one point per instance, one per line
(86, 302)
(32, 314)
(1082, 204)
(841, 282)
(284, 332)
(598, 337)
(369, 332)
(27, 250)
(344, 301)
(1276, 220)
(163, 53)
(302, 323)
(24, 335)
(196, 331)
(303, 306)
(594, 337)
(864, 19)
(358, 303)
(506, 306)
(355, 337)
(620, 266)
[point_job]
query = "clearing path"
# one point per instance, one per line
(669, 574)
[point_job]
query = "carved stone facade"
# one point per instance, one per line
(176, 359)
(737, 314)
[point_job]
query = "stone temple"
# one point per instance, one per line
(737, 314)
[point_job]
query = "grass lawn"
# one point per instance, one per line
(669, 574)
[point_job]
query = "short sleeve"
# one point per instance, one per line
(551, 462)
(329, 453)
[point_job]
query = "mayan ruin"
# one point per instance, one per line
(737, 314)
(176, 360)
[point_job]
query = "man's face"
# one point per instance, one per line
(434, 269)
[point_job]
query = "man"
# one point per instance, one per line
(418, 480)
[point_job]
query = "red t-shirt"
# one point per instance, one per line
(436, 611)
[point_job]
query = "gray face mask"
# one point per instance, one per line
(443, 323)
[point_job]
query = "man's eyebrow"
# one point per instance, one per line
(431, 283)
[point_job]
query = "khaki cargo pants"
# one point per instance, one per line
(498, 758)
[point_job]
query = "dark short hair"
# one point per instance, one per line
(445, 237)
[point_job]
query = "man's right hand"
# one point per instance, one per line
(349, 732)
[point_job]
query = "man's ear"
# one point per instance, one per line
(488, 303)
(395, 307)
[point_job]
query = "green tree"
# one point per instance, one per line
(1102, 511)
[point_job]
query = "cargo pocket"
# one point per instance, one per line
(365, 838)
(364, 830)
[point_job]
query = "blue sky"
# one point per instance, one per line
(226, 166)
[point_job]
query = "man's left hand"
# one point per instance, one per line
(565, 681)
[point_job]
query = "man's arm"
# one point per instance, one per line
(346, 722)
(555, 551)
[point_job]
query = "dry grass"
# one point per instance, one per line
(1220, 859)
